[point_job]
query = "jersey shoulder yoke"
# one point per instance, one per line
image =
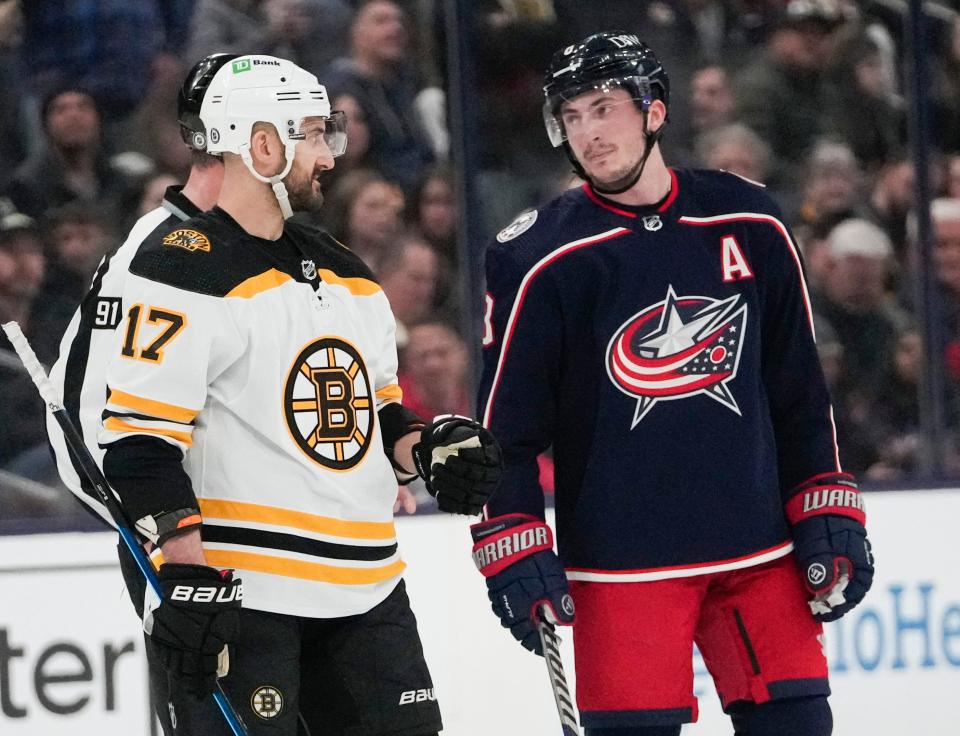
(202, 254)
(713, 192)
(534, 233)
(329, 252)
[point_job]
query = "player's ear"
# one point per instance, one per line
(657, 115)
(265, 147)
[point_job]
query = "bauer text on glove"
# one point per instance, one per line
(193, 624)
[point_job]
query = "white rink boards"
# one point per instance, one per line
(71, 653)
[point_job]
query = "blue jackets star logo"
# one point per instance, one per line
(679, 348)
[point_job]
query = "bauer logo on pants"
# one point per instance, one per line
(417, 696)
(328, 403)
(267, 702)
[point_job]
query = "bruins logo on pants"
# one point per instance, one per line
(267, 702)
(329, 403)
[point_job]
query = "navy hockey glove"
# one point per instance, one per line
(460, 462)
(830, 540)
(515, 554)
(191, 627)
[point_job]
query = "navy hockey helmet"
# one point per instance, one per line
(600, 62)
(190, 98)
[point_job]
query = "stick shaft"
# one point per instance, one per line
(558, 680)
(30, 362)
(103, 490)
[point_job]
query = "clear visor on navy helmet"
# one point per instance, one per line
(332, 130)
(638, 88)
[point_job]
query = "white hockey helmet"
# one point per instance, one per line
(254, 89)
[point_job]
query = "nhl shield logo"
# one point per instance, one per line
(678, 348)
(309, 269)
(652, 223)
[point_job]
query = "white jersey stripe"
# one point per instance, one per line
(795, 254)
(90, 385)
(521, 294)
(761, 217)
(668, 573)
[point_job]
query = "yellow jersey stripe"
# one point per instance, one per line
(301, 569)
(116, 425)
(393, 392)
(155, 408)
(357, 286)
(261, 282)
(213, 508)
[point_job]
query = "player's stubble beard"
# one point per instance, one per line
(618, 178)
(300, 191)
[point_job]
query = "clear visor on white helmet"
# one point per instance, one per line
(331, 129)
(553, 112)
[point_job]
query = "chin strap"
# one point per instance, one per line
(275, 181)
(650, 141)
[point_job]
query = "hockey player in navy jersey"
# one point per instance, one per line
(654, 327)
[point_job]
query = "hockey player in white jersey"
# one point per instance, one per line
(253, 424)
(80, 372)
(81, 369)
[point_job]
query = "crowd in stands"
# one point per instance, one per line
(807, 96)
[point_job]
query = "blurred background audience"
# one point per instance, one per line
(805, 96)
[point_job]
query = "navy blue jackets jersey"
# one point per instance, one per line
(667, 354)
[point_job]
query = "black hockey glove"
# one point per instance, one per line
(460, 462)
(831, 545)
(515, 554)
(193, 624)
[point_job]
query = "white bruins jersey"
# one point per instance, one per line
(80, 372)
(266, 363)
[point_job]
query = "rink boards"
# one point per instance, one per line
(71, 653)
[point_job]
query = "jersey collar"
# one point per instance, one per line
(635, 211)
(178, 205)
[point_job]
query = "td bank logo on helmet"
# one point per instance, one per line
(245, 65)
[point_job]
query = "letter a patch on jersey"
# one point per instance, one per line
(735, 266)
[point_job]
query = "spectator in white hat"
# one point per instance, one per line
(855, 300)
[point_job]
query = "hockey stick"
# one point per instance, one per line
(558, 680)
(49, 394)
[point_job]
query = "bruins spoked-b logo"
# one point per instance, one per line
(329, 403)
(266, 702)
(679, 348)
